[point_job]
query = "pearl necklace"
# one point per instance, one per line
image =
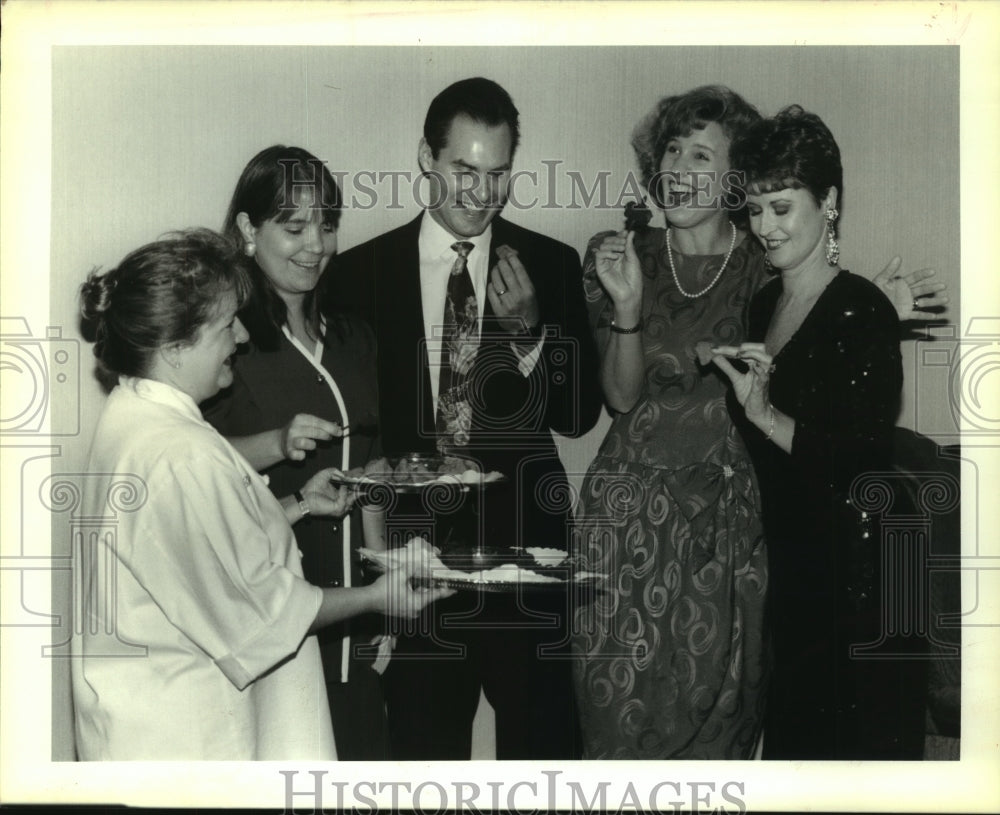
(673, 269)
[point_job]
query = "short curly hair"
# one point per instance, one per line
(682, 114)
(792, 150)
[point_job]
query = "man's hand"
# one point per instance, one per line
(512, 294)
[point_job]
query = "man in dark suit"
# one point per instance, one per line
(533, 369)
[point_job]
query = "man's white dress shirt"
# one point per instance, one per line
(436, 261)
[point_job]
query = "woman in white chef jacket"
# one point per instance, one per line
(196, 638)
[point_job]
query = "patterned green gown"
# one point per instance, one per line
(670, 661)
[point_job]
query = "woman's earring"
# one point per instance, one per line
(250, 249)
(767, 263)
(170, 355)
(832, 248)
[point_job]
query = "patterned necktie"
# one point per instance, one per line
(460, 341)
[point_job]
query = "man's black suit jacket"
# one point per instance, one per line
(512, 414)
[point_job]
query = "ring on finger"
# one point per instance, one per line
(504, 291)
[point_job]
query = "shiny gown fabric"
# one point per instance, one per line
(670, 661)
(839, 377)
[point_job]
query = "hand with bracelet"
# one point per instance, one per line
(620, 273)
(752, 390)
(318, 497)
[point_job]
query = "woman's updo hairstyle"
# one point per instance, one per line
(160, 294)
(793, 150)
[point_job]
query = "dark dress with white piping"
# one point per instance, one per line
(269, 389)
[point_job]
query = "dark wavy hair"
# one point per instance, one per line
(265, 192)
(792, 150)
(680, 115)
(482, 100)
(160, 294)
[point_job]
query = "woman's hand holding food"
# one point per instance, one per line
(300, 435)
(620, 273)
(751, 388)
(622, 368)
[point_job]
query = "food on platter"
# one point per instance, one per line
(423, 561)
(546, 556)
(416, 470)
(418, 557)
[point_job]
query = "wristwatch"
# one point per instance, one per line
(303, 506)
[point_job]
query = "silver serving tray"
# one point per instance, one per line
(432, 479)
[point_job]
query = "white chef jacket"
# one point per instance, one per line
(192, 637)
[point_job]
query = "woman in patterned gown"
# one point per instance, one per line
(670, 662)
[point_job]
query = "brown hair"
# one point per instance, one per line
(161, 293)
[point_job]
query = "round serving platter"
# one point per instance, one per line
(475, 561)
(421, 473)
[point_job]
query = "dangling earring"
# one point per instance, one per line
(832, 248)
(250, 249)
(767, 263)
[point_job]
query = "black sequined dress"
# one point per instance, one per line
(839, 377)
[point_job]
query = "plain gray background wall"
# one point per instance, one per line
(149, 139)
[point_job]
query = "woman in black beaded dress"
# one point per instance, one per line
(821, 386)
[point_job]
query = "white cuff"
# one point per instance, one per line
(527, 360)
